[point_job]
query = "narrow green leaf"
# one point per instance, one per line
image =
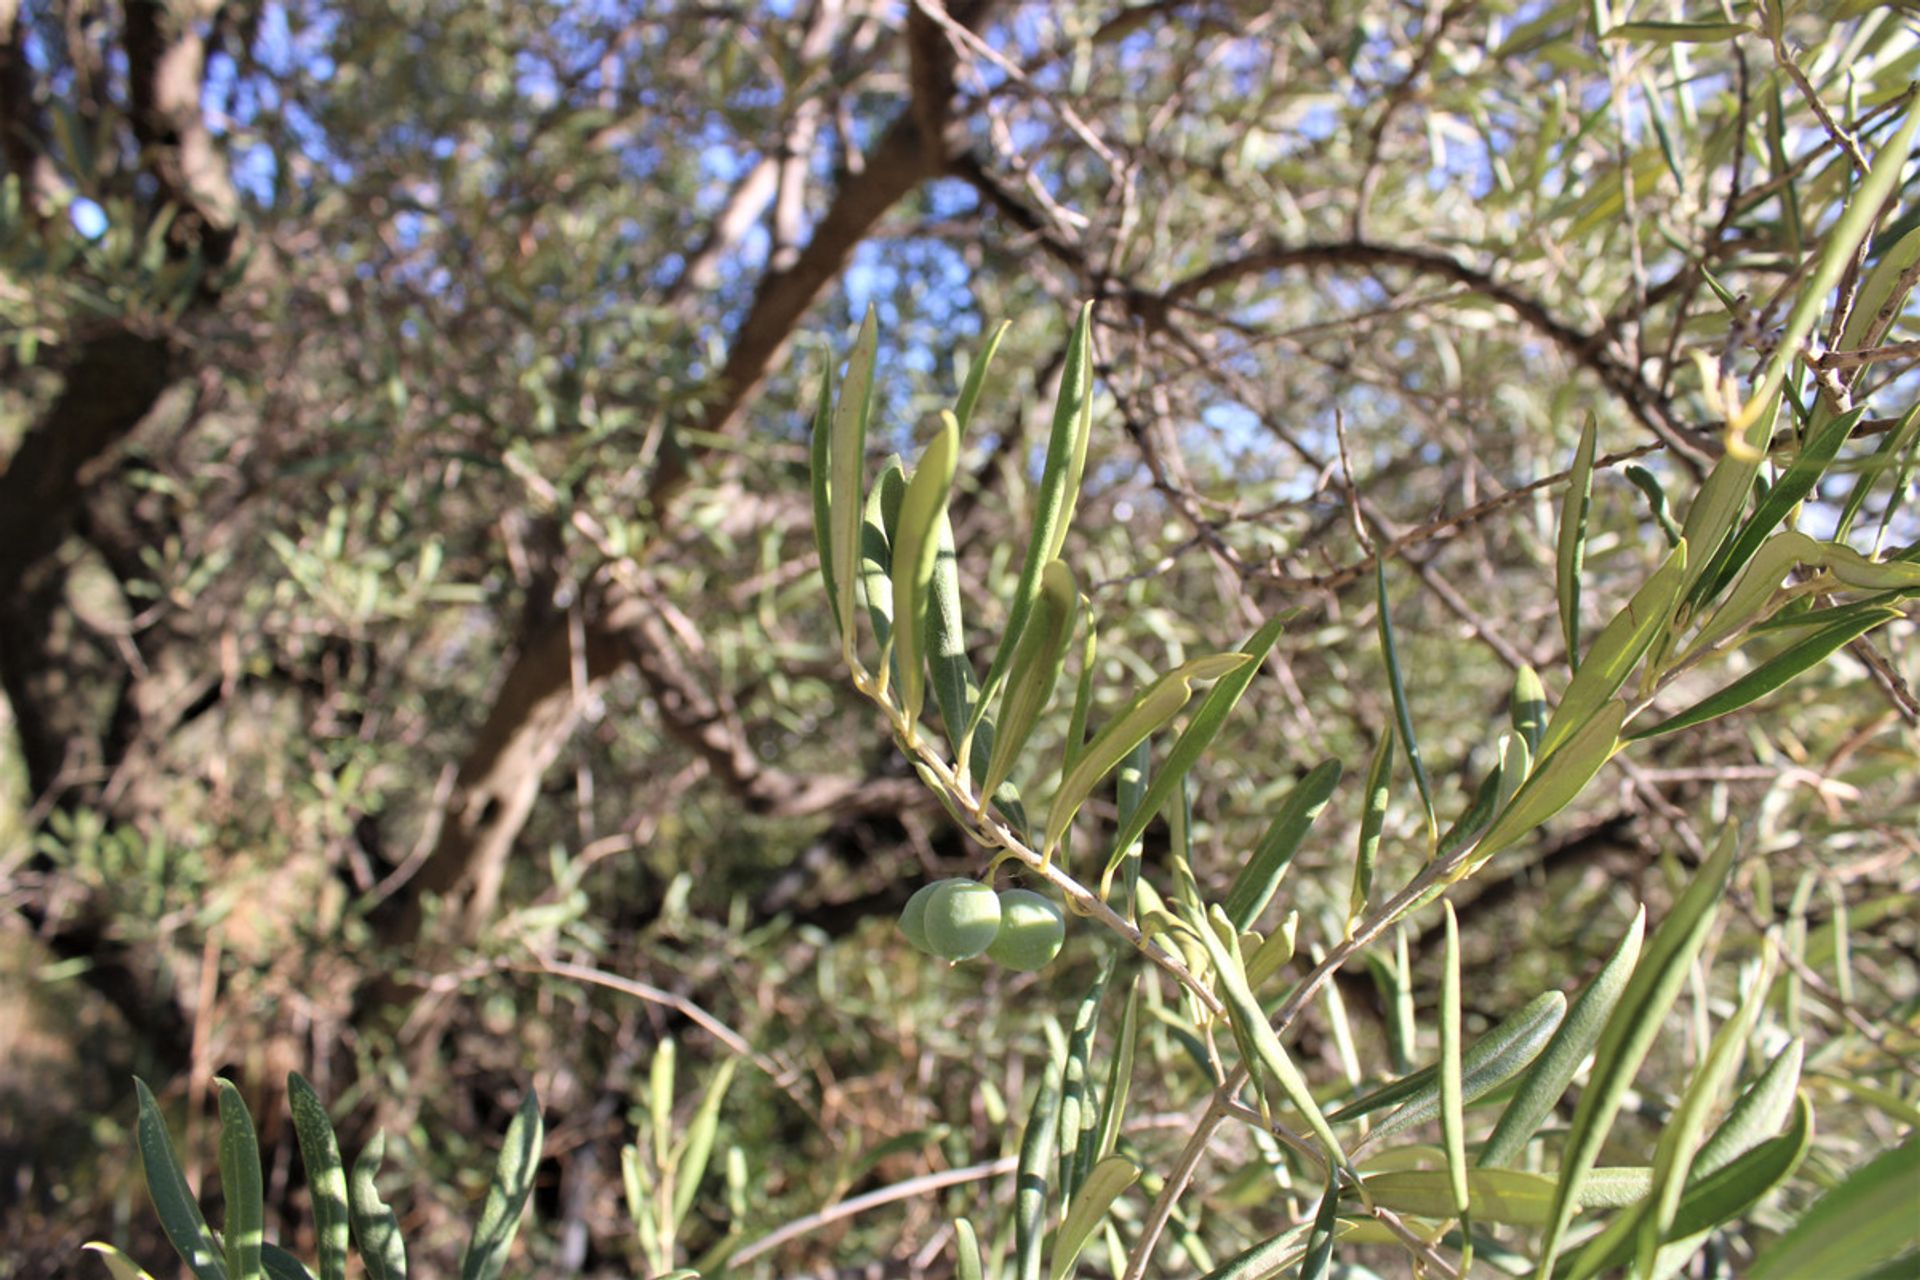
(1867, 1220)
(1256, 882)
(1570, 554)
(173, 1200)
(1686, 1125)
(1082, 692)
(1893, 445)
(1030, 1194)
(375, 1228)
(1794, 484)
(1453, 1122)
(1402, 713)
(507, 1195)
(1527, 708)
(819, 479)
(955, 689)
(1113, 1102)
(1505, 1196)
(1130, 788)
(1058, 491)
(1269, 1064)
(326, 1175)
(1265, 1259)
(1550, 1074)
(240, 1185)
(1714, 1195)
(1555, 783)
(1274, 952)
(1756, 586)
(1320, 1242)
(1480, 809)
(660, 1075)
(916, 545)
(977, 376)
(846, 454)
(119, 1264)
(1147, 713)
(1704, 32)
(1836, 256)
(966, 1251)
(1485, 1065)
(1630, 1032)
(877, 524)
(1034, 672)
(1656, 495)
(1804, 654)
(1373, 817)
(1727, 1192)
(1109, 1179)
(1616, 651)
(1077, 1113)
(1199, 734)
(1756, 1115)
(278, 1264)
(698, 1149)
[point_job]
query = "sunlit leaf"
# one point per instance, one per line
(326, 1175)
(240, 1185)
(1631, 1031)
(1103, 1186)
(915, 546)
(1571, 550)
(1194, 740)
(1553, 1070)
(1147, 713)
(173, 1200)
(1259, 878)
(507, 1192)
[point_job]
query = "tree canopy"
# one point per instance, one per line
(418, 674)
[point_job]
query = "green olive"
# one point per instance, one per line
(961, 919)
(913, 916)
(1031, 930)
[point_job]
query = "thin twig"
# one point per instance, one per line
(873, 1200)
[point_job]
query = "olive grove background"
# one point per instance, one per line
(409, 610)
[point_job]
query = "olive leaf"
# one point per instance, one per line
(119, 1264)
(915, 546)
(326, 1175)
(1259, 879)
(1030, 1194)
(1193, 742)
(1034, 672)
(1550, 1073)
(1553, 785)
(1104, 1185)
(1629, 1034)
(1616, 650)
(507, 1191)
(173, 1200)
(846, 454)
(1373, 817)
(240, 1185)
(1059, 490)
(375, 1227)
(1148, 712)
(1571, 549)
(1402, 711)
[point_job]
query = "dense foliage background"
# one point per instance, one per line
(407, 583)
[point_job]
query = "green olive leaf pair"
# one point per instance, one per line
(1149, 711)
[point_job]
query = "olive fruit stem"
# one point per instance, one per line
(989, 830)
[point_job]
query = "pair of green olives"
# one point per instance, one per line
(959, 919)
